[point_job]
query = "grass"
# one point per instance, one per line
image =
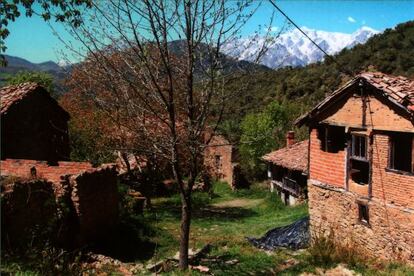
(225, 225)
(223, 219)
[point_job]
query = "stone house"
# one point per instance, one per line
(33, 125)
(221, 162)
(287, 170)
(361, 165)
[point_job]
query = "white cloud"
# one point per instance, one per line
(271, 29)
(351, 19)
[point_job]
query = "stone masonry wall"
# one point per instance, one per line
(390, 234)
(88, 195)
(95, 199)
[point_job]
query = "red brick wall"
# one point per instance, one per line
(326, 167)
(22, 167)
(389, 236)
(392, 187)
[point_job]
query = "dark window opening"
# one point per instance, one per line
(332, 138)
(359, 147)
(360, 171)
(218, 163)
(363, 213)
(401, 152)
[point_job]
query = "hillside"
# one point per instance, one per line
(391, 52)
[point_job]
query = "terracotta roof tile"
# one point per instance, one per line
(294, 157)
(398, 88)
(14, 93)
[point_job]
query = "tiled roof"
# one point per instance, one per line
(397, 89)
(294, 157)
(13, 93)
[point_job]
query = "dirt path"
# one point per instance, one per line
(238, 203)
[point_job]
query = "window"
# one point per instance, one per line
(363, 213)
(332, 138)
(359, 162)
(218, 163)
(401, 152)
(359, 147)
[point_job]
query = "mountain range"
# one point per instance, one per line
(293, 49)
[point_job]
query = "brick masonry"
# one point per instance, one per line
(89, 195)
(334, 197)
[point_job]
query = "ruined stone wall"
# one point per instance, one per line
(28, 208)
(95, 199)
(389, 235)
(324, 166)
(85, 198)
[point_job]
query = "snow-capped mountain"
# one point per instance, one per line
(292, 48)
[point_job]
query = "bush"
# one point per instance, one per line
(325, 251)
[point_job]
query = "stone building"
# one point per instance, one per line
(287, 170)
(39, 186)
(221, 162)
(33, 125)
(361, 165)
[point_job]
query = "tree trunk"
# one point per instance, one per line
(185, 230)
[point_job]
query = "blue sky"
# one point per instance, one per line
(33, 39)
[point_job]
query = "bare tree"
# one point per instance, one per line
(156, 69)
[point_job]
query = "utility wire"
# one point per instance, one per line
(346, 71)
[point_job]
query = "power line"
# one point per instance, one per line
(310, 39)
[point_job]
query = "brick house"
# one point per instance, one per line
(361, 165)
(33, 125)
(287, 170)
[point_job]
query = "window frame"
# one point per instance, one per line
(361, 217)
(359, 157)
(391, 154)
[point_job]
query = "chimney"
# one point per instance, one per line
(290, 138)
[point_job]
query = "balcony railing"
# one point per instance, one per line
(289, 185)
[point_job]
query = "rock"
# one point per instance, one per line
(232, 262)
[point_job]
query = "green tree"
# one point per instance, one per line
(42, 78)
(261, 133)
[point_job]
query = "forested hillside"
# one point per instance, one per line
(390, 52)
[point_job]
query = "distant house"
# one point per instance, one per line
(221, 162)
(287, 170)
(33, 125)
(361, 165)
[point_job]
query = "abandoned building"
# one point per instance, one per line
(220, 161)
(38, 185)
(361, 165)
(33, 125)
(287, 170)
